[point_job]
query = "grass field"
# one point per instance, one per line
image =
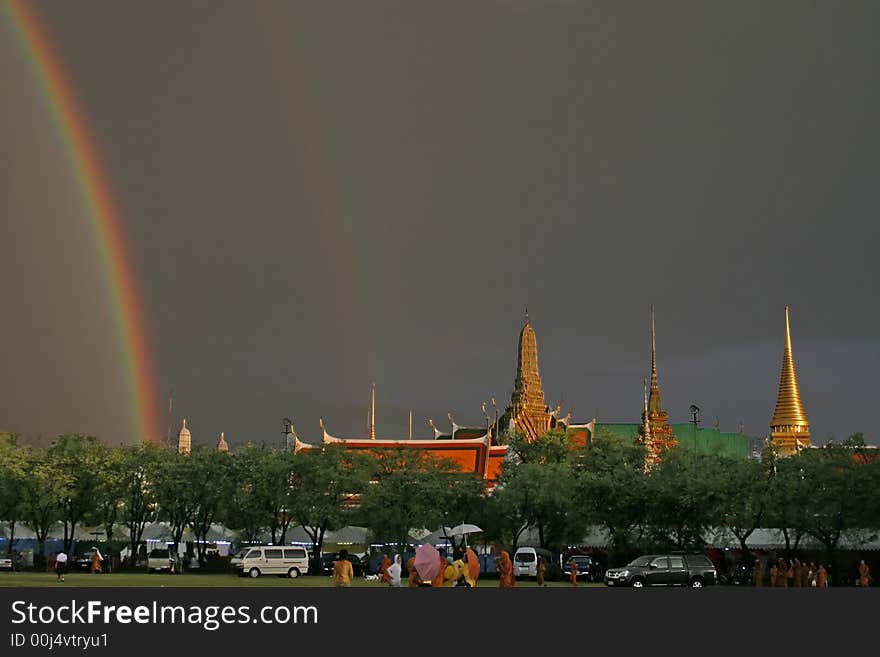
(77, 580)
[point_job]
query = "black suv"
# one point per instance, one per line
(694, 570)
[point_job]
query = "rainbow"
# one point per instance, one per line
(104, 221)
(347, 268)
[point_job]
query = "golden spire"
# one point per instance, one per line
(789, 416)
(373, 411)
(654, 400)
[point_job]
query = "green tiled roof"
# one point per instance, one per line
(707, 440)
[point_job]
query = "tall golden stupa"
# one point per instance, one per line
(528, 410)
(655, 432)
(789, 429)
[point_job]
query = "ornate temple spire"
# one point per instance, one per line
(184, 439)
(654, 399)
(528, 390)
(528, 409)
(655, 432)
(789, 425)
(221, 443)
(373, 411)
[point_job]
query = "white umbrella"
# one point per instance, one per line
(464, 530)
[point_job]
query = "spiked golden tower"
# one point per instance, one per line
(789, 429)
(655, 432)
(528, 408)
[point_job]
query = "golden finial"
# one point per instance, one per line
(373, 411)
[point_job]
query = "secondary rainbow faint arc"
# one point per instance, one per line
(104, 221)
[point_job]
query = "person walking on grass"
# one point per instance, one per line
(342, 570)
(864, 574)
(574, 573)
(540, 570)
(61, 565)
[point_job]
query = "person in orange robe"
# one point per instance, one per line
(505, 571)
(96, 562)
(541, 569)
(342, 570)
(386, 563)
(864, 574)
(574, 573)
(437, 582)
(822, 577)
(758, 573)
(414, 579)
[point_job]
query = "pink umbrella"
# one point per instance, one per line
(427, 562)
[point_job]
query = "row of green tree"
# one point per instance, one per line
(558, 491)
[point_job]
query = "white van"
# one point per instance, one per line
(271, 560)
(525, 561)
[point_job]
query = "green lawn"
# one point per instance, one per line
(77, 580)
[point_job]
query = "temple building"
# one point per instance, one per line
(655, 432)
(466, 449)
(184, 439)
(789, 428)
(221, 443)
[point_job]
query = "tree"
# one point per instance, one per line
(12, 476)
(537, 489)
(43, 491)
(213, 483)
(245, 510)
(109, 494)
(612, 490)
(832, 502)
(174, 488)
(141, 468)
(744, 498)
(79, 457)
(330, 482)
(683, 498)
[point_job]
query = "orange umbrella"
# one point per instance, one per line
(473, 564)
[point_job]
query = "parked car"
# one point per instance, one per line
(525, 563)
(271, 560)
(694, 570)
(586, 568)
(5, 563)
(160, 559)
(359, 565)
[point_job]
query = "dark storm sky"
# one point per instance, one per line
(319, 195)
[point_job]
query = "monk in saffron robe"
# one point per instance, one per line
(506, 579)
(574, 573)
(437, 582)
(864, 574)
(342, 570)
(386, 563)
(822, 577)
(450, 573)
(540, 570)
(96, 561)
(414, 579)
(758, 573)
